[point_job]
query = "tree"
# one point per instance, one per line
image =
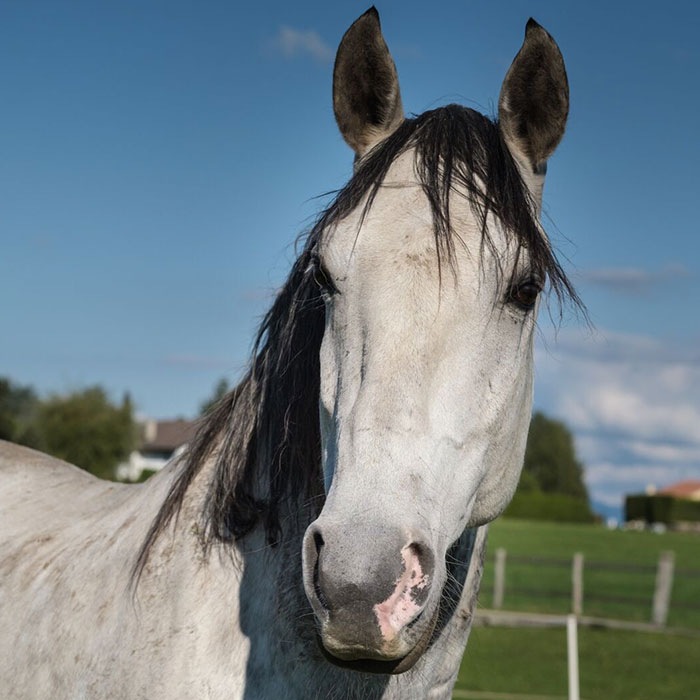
(528, 483)
(220, 390)
(86, 429)
(18, 407)
(550, 457)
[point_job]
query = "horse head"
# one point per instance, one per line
(431, 287)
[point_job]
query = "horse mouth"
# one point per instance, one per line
(388, 667)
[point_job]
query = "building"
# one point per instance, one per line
(688, 489)
(161, 441)
(676, 506)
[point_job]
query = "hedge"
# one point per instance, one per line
(661, 509)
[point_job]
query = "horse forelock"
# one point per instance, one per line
(263, 438)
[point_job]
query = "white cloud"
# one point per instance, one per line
(664, 452)
(634, 474)
(633, 403)
(612, 346)
(624, 385)
(646, 408)
(292, 42)
(609, 482)
(632, 280)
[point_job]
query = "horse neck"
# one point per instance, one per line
(282, 550)
(249, 595)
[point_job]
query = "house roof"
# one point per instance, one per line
(682, 489)
(168, 435)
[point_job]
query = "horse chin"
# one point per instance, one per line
(383, 666)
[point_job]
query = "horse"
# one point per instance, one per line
(323, 536)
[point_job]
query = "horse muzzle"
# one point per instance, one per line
(370, 589)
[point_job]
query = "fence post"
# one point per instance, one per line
(662, 589)
(577, 584)
(499, 578)
(572, 655)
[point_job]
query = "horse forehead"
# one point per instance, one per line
(399, 220)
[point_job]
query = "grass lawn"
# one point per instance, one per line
(614, 665)
(532, 538)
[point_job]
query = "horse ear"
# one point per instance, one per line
(534, 101)
(366, 97)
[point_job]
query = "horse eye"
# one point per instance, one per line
(524, 295)
(323, 279)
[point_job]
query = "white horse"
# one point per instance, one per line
(292, 555)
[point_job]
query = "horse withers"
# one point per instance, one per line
(323, 536)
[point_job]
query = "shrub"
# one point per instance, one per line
(661, 509)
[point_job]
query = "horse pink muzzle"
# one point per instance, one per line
(368, 587)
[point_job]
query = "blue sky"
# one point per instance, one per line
(159, 159)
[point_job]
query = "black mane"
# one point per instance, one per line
(264, 437)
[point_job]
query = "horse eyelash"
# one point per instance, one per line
(322, 277)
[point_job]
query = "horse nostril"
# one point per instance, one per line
(417, 548)
(318, 543)
(424, 556)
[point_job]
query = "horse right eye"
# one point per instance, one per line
(323, 279)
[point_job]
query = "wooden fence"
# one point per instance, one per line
(658, 605)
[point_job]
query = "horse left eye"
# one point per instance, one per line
(525, 295)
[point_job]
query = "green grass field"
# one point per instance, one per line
(614, 665)
(530, 538)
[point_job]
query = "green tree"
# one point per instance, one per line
(550, 457)
(86, 429)
(528, 483)
(18, 407)
(220, 390)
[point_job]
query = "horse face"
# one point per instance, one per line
(426, 372)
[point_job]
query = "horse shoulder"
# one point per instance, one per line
(67, 543)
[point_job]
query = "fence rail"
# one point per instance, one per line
(658, 604)
(597, 564)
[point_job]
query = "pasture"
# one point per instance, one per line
(614, 664)
(548, 587)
